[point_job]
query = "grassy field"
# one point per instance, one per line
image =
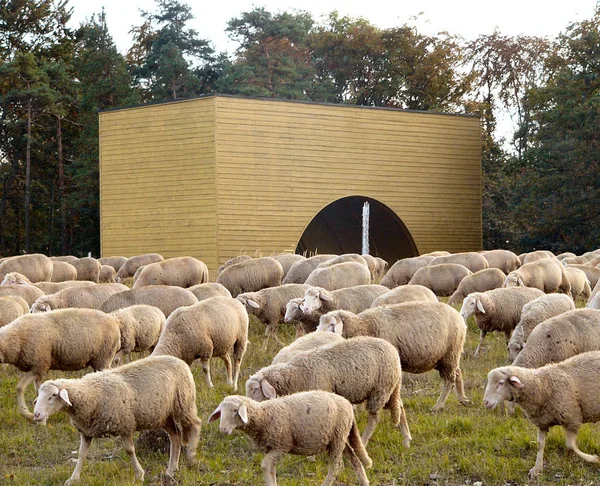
(458, 446)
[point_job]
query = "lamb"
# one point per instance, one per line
(29, 293)
(504, 260)
(131, 265)
(472, 260)
(299, 271)
(116, 261)
(355, 299)
(141, 326)
(281, 426)
(67, 340)
(181, 272)
(166, 297)
(497, 310)
(346, 257)
(107, 274)
(405, 293)
(11, 307)
(561, 337)
(442, 279)
(149, 394)
(537, 255)
(62, 271)
(558, 394)
(310, 342)
(215, 327)
(233, 261)
(533, 313)
(339, 276)
(36, 267)
(487, 279)
(426, 335)
(334, 369)
(251, 275)
(209, 289)
(592, 273)
(287, 260)
(580, 285)
(547, 275)
(81, 297)
(88, 268)
(403, 270)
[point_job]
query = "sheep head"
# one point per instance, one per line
(259, 389)
(292, 310)
(501, 386)
(52, 397)
(233, 413)
(314, 298)
(331, 322)
(471, 304)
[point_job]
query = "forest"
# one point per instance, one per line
(541, 185)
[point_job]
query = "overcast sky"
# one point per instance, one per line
(468, 18)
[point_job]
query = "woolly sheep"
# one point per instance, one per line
(29, 293)
(580, 285)
(82, 297)
(132, 264)
(215, 327)
(592, 274)
(180, 272)
(137, 273)
(66, 340)
(590, 260)
(355, 299)
(427, 335)
(309, 342)
(335, 369)
(486, 279)
(116, 261)
(251, 275)
(564, 255)
(88, 268)
(299, 271)
(306, 322)
(504, 260)
(339, 276)
(62, 271)
(403, 270)
(141, 326)
(53, 287)
(149, 394)
(346, 257)
(36, 267)
(538, 255)
(233, 261)
(303, 423)
(595, 290)
(563, 394)
(374, 270)
(64, 258)
(436, 253)
(442, 279)
(287, 260)
(497, 310)
(471, 260)
(405, 293)
(594, 302)
(209, 289)
(561, 337)
(11, 307)
(166, 297)
(547, 274)
(107, 274)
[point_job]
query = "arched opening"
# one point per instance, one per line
(337, 228)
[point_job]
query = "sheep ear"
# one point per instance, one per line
(520, 282)
(243, 413)
(338, 328)
(216, 415)
(480, 306)
(325, 297)
(515, 382)
(267, 389)
(251, 303)
(65, 396)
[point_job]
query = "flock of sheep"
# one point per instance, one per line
(354, 339)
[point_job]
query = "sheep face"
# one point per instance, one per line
(252, 302)
(233, 414)
(312, 301)
(471, 304)
(10, 279)
(514, 349)
(40, 305)
(50, 399)
(292, 310)
(500, 387)
(513, 280)
(332, 323)
(259, 389)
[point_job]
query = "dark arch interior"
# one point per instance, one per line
(337, 228)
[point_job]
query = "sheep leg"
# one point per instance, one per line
(336, 450)
(84, 445)
(481, 338)
(238, 353)
(268, 467)
(191, 435)
(130, 450)
(459, 388)
(227, 359)
(539, 460)
(448, 385)
(370, 428)
(206, 369)
(174, 450)
(507, 336)
(21, 387)
(572, 445)
(357, 466)
(404, 428)
(118, 357)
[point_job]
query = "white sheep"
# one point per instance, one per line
(405, 293)
(403, 270)
(11, 307)
(377, 267)
(304, 423)
(300, 270)
(339, 276)
(306, 322)
(309, 342)
(504, 260)
(287, 260)
(594, 302)
(29, 293)
(472, 260)
(580, 285)
(53, 287)
(442, 279)
(107, 274)
(64, 258)
(88, 268)
(166, 297)
(89, 297)
(62, 271)
(233, 261)
(36, 267)
(115, 261)
(537, 255)
(129, 268)
(343, 258)
(592, 273)
(180, 272)
(547, 274)
(251, 275)
(209, 289)
(148, 394)
(486, 279)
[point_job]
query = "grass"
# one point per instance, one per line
(458, 446)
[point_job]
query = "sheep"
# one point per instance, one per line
(594, 302)
(339, 276)
(580, 285)
(364, 368)
(11, 307)
(487, 279)
(131, 265)
(141, 326)
(81, 297)
(107, 274)
(303, 423)
(472, 260)
(567, 254)
(64, 258)
(66, 340)
(29, 293)
(561, 337)
(88, 268)
(346, 257)
(62, 271)
(497, 310)
(251, 275)
(355, 299)
(180, 272)
(116, 261)
(137, 273)
(299, 271)
(558, 394)
(405, 293)
(233, 261)
(442, 279)
(309, 342)
(504, 260)
(590, 259)
(209, 289)
(53, 287)
(547, 274)
(592, 273)
(149, 394)
(538, 255)
(377, 266)
(166, 297)
(403, 270)
(436, 253)
(595, 290)
(293, 312)
(287, 260)
(533, 313)
(215, 327)
(426, 335)
(36, 267)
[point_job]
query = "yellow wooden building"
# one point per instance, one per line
(218, 176)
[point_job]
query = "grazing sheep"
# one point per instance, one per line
(64, 258)
(62, 271)
(471, 260)
(107, 274)
(547, 274)
(533, 313)
(355, 299)
(251, 275)
(589, 259)
(307, 323)
(497, 310)
(233, 261)
(405, 293)
(53, 287)
(403, 270)
(307, 343)
(374, 270)
(140, 327)
(592, 273)
(287, 260)
(11, 307)
(364, 368)
(346, 257)
(132, 264)
(66, 340)
(561, 337)
(564, 255)
(538, 255)
(558, 394)
(209, 289)
(180, 272)
(442, 279)
(580, 286)
(299, 271)
(166, 297)
(504, 260)
(36, 267)
(88, 268)
(339, 276)
(116, 261)
(149, 394)
(216, 327)
(91, 297)
(304, 424)
(487, 279)
(29, 293)
(427, 336)
(137, 273)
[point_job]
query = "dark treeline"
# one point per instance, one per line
(541, 185)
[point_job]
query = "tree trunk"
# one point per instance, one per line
(61, 188)
(28, 179)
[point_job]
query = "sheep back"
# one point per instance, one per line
(580, 286)
(209, 289)
(29, 293)
(472, 260)
(300, 270)
(486, 279)
(91, 297)
(547, 274)
(403, 270)
(340, 275)
(88, 268)
(287, 260)
(107, 274)
(442, 279)
(251, 275)
(36, 267)
(504, 260)
(132, 264)
(405, 293)
(116, 261)
(180, 272)
(11, 307)
(63, 271)
(166, 297)
(306, 343)
(140, 325)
